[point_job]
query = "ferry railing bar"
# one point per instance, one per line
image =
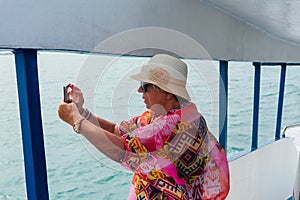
(31, 124)
(223, 103)
(280, 101)
(281, 94)
(257, 66)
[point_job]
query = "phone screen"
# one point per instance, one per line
(67, 98)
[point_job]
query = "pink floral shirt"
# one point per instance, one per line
(174, 157)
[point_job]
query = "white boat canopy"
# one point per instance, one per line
(256, 30)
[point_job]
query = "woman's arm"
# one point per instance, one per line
(77, 98)
(104, 124)
(105, 141)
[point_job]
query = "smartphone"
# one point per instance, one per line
(67, 98)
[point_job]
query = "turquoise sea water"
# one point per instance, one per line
(75, 169)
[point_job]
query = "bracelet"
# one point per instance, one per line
(86, 114)
(77, 124)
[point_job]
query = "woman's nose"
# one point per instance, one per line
(140, 90)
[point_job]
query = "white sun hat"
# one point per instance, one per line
(166, 72)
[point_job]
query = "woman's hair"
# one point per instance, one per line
(181, 100)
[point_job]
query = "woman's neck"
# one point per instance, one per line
(164, 109)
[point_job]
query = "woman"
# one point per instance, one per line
(168, 147)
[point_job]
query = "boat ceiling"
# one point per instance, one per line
(279, 18)
(254, 30)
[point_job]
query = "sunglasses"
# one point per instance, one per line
(144, 86)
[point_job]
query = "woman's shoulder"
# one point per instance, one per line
(188, 112)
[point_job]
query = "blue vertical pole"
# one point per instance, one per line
(31, 123)
(257, 66)
(280, 101)
(223, 103)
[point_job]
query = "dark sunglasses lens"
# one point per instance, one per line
(145, 86)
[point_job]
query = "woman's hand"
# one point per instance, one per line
(77, 97)
(68, 112)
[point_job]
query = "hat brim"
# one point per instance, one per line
(176, 90)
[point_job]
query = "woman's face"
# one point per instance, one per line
(154, 98)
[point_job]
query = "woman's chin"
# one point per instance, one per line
(147, 105)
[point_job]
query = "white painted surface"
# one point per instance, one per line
(296, 190)
(293, 133)
(267, 173)
(280, 18)
(85, 25)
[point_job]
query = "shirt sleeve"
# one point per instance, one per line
(142, 143)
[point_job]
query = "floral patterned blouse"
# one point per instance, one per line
(174, 157)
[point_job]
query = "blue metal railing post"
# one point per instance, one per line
(223, 103)
(280, 101)
(31, 123)
(257, 66)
